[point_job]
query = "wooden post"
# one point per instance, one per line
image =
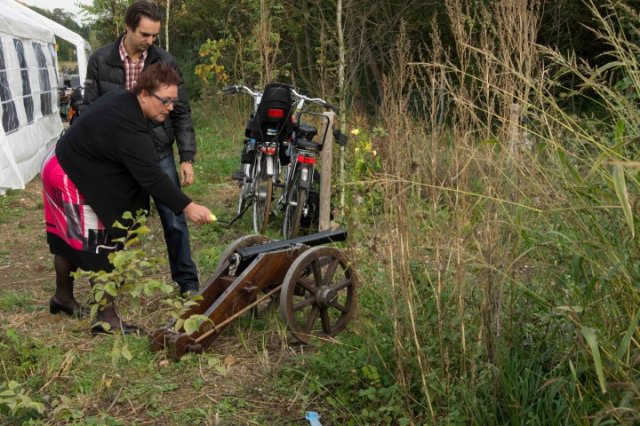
(513, 130)
(326, 160)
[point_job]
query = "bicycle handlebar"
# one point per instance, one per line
(238, 89)
(318, 101)
(299, 97)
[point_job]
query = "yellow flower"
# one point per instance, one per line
(355, 132)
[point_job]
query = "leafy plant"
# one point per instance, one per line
(126, 280)
(17, 399)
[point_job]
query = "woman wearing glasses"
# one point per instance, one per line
(104, 165)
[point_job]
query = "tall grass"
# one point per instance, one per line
(507, 235)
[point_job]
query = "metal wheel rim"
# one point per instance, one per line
(262, 201)
(293, 214)
(318, 295)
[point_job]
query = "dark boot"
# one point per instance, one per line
(108, 314)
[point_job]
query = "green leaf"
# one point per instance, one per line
(618, 137)
(142, 230)
(592, 341)
(118, 225)
(572, 170)
(179, 323)
(609, 65)
(193, 323)
(620, 185)
(575, 309)
(132, 242)
(218, 365)
(626, 339)
(124, 351)
(111, 289)
(105, 325)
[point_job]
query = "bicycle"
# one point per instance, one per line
(275, 137)
(301, 194)
(268, 128)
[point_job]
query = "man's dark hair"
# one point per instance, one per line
(155, 76)
(139, 9)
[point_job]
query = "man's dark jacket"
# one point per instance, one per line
(105, 73)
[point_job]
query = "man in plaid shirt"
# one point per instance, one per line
(116, 66)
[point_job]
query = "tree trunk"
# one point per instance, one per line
(166, 27)
(265, 45)
(341, 95)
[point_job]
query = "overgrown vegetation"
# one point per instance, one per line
(491, 204)
(506, 251)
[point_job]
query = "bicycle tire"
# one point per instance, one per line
(293, 212)
(262, 198)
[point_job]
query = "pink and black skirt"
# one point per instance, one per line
(74, 231)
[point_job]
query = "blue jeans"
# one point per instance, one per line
(176, 235)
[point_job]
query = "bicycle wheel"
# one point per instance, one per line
(262, 198)
(293, 211)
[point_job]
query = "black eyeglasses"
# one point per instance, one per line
(166, 101)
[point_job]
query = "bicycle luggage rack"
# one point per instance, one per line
(316, 287)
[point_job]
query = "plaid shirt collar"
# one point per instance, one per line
(131, 69)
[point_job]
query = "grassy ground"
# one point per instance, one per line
(57, 363)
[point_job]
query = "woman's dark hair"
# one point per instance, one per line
(139, 9)
(155, 76)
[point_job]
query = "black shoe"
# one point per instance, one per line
(123, 328)
(79, 312)
(189, 289)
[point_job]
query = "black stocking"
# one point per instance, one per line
(64, 282)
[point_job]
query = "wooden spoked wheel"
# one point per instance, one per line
(242, 242)
(318, 295)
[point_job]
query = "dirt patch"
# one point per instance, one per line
(25, 262)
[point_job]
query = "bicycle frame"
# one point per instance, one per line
(260, 162)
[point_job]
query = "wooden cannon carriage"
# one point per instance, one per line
(316, 287)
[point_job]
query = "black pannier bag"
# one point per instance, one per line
(272, 121)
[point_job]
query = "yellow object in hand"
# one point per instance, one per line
(213, 217)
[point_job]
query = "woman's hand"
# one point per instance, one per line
(198, 214)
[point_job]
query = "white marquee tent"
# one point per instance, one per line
(29, 84)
